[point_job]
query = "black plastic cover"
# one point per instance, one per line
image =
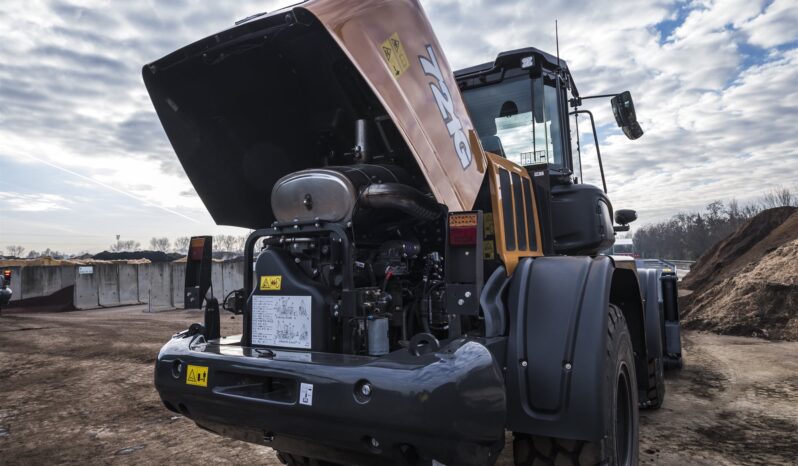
(581, 217)
(558, 318)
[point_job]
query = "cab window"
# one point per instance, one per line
(518, 118)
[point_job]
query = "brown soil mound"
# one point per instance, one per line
(748, 283)
(761, 234)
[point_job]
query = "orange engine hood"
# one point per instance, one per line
(280, 93)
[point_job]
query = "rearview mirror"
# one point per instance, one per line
(624, 110)
(625, 216)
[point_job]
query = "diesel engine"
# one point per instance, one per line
(358, 266)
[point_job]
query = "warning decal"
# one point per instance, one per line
(488, 250)
(197, 375)
(487, 218)
(394, 55)
(281, 321)
(306, 394)
(271, 282)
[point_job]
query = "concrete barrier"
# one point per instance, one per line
(143, 280)
(86, 294)
(178, 284)
(217, 281)
(160, 285)
(108, 282)
(68, 273)
(232, 274)
(40, 281)
(128, 284)
(106, 285)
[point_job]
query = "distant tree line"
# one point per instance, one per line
(686, 236)
(225, 243)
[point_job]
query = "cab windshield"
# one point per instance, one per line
(518, 118)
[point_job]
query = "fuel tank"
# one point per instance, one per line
(327, 194)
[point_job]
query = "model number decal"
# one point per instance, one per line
(446, 106)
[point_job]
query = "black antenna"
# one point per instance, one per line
(557, 41)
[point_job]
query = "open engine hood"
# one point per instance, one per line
(277, 93)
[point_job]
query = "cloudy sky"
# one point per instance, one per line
(83, 157)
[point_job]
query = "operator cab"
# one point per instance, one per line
(519, 105)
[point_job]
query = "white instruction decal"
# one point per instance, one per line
(281, 321)
(306, 394)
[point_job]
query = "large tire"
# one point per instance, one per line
(620, 443)
(296, 460)
(656, 383)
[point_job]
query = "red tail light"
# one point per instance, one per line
(7, 274)
(196, 248)
(463, 229)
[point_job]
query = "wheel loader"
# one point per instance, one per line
(423, 278)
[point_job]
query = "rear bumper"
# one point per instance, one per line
(448, 406)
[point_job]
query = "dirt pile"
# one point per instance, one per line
(128, 256)
(747, 284)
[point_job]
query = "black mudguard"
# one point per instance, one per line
(557, 335)
(651, 288)
(672, 342)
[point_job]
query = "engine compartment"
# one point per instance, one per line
(364, 286)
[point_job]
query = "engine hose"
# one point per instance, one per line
(401, 197)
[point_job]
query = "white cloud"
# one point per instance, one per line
(715, 94)
(38, 202)
(776, 26)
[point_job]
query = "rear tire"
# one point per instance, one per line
(296, 460)
(656, 382)
(620, 443)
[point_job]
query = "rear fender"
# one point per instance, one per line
(651, 289)
(557, 336)
(625, 293)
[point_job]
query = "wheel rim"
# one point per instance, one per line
(623, 417)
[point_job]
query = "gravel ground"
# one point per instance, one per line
(76, 388)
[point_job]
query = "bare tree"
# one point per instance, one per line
(241, 242)
(160, 244)
(225, 243)
(181, 244)
(129, 245)
(15, 250)
(777, 197)
(33, 254)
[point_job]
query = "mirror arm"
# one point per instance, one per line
(577, 101)
(598, 150)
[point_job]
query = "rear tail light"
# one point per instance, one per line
(7, 274)
(196, 249)
(463, 229)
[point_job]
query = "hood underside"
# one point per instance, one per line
(282, 93)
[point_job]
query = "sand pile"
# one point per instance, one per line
(747, 284)
(49, 261)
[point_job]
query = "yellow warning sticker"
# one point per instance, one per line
(394, 55)
(488, 250)
(487, 219)
(271, 282)
(197, 375)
